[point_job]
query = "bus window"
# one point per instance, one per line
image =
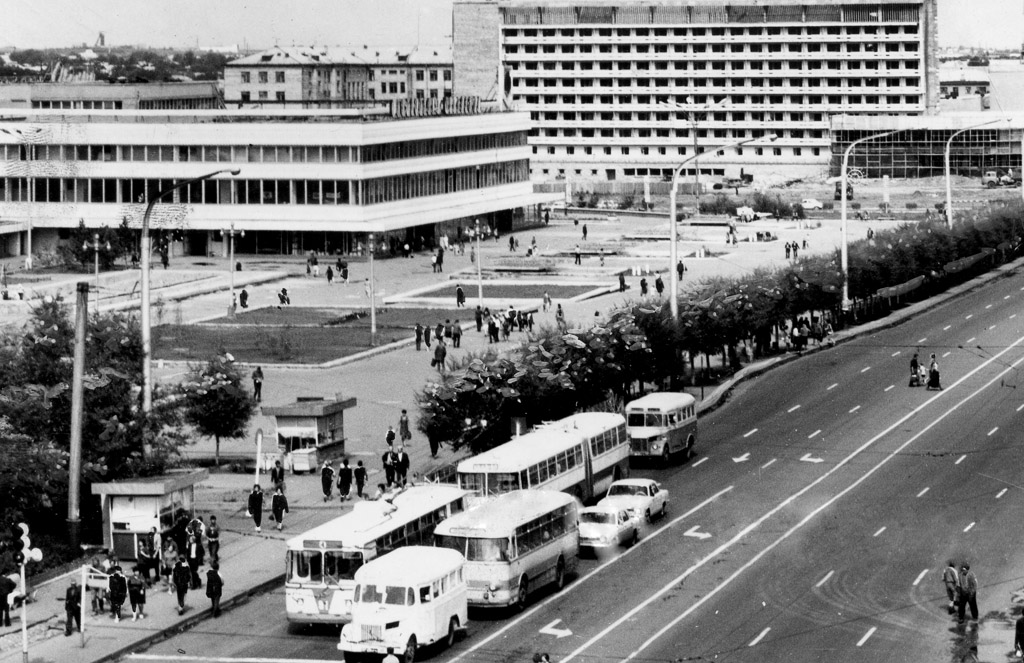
(425, 594)
(340, 565)
(502, 482)
(635, 419)
(457, 543)
(306, 565)
(653, 419)
(471, 481)
(487, 550)
(369, 594)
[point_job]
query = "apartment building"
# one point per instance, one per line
(95, 95)
(624, 90)
(301, 77)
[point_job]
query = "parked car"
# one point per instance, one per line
(607, 527)
(812, 203)
(638, 497)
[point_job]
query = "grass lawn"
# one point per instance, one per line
(510, 291)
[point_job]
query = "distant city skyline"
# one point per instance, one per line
(263, 23)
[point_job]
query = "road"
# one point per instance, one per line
(834, 495)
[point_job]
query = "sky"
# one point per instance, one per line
(264, 23)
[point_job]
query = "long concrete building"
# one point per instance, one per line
(619, 90)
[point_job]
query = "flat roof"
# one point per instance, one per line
(1001, 121)
(501, 515)
(587, 423)
(410, 565)
(523, 451)
(663, 400)
(375, 56)
(159, 485)
(310, 407)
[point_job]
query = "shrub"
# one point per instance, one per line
(626, 201)
(854, 205)
(720, 204)
(911, 205)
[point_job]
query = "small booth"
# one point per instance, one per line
(133, 506)
(310, 431)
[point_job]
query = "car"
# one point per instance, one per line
(638, 497)
(607, 527)
(812, 203)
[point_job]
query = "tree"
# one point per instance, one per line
(215, 401)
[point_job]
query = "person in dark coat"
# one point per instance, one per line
(440, 353)
(279, 507)
(214, 587)
(117, 588)
(6, 587)
(659, 285)
(426, 335)
(327, 479)
(643, 287)
(419, 337)
(213, 539)
(243, 298)
(360, 477)
(387, 460)
(456, 335)
(72, 607)
(439, 332)
(137, 595)
(1018, 637)
(192, 558)
(460, 297)
(344, 480)
(403, 427)
(622, 282)
(402, 463)
(277, 476)
(181, 577)
(256, 506)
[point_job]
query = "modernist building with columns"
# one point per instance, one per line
(308, 179)
(620, 90)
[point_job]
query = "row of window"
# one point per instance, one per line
(644, 150)
(555, 466)
(245, 96)
(539, 531)
(419, 531)
(263, 77)
(608, 441)
(630, 67)
(647, 100)
(793, 31)
(703, 49)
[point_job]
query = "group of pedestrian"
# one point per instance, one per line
(396, 463)
(962, 591)
(792, 250)
(347, 476)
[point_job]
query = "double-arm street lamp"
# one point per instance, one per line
(673, 252)
(147, 350)
(230, 233)
(96, 245)
(694, 117)
(949, 179)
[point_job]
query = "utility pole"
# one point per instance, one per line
(77, 398)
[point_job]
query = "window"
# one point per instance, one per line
(279, 77)
(279, 95)
(433, 74)
(263, 95)
(246, 97)
(246, 77)
(419, 74)
(263, 76)
(447, 74)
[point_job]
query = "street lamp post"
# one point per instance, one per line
(949, 179)
(373, 295)
(147, 351)
(230, 234)
(673, 251)
(479, 272)
(845, 249)
(694, 117)
(96, 246)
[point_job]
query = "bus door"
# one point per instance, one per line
(588, 471)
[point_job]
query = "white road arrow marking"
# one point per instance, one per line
(808, 459)
(695, 534)
(557, 632)
(742, 459)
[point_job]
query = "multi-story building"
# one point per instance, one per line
(96, 95)
(297, 77)
(309, 180)
(619, 90)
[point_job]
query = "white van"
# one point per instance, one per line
(409, 598)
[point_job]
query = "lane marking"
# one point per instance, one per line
(970, 340)
(1013, 316)
(865, 369)
(879, 531)
(1006, 297)
(969, 527)
(759, 637)
(742, 459)
(1020, 407)
(828, 503)
(825, 579)
(921, 494)
(769, 463)
(969, 316)
(895, 354)
(699, 461)
(991, 327)
(960, 459)
(946, 355)
(946, 328)
(993, 431)
(814, 434)
(1001, 493)
(890, 387)
(920, 577)
(581, 581)
(750, 432)
(922, 340)
(832, 387)
(221, 659)
(871, 631)
(793, 409)
(989, 306)
(855, 408)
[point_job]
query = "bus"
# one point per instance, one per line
(661, 425)
(321, 563)
(410, 598)
(581, 454)
(514, 544)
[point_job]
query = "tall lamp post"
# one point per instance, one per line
(673, 251)
(95, 245)
(845, 249)
(147, 350)
(230, 234)
(949, 179)
(479, 272)
(373, 296)
(694, 117)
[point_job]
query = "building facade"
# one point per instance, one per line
(111, 96)
(308, 180)
(621, 90)
(336, 77)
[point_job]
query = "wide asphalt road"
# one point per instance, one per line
(833, 495)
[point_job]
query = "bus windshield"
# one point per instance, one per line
(386, 594)
(502, 482)
(314, 566)
(477, 550)
(650, 419)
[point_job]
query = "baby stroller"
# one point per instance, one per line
(933, 380)
(917, 378)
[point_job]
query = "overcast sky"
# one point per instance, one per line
(263, 23)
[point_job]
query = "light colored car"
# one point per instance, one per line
(607, 527)
(639, 497)
(812, 203)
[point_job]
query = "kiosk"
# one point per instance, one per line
(310, 431)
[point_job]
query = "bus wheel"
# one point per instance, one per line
(453, 627)
(524, 590)
(560, 574)
(410, 650)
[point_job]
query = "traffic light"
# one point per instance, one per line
(21, 545)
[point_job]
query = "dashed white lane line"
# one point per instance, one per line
(989, 306)
(1020, 407)
(920, 577)
(759, 637)
(946, 355)
(969, 527)
(971, 315)
(1001, 493)
(892, 386)
(879, 532)
(871, 631)
(921, 494)
(1013, 316)
(825, 579)
(768, 463)
(991, 327)
(946, 328)
(856, 407)
(750, 432)
(960, 459)
(991, 432)
(814, 434)
(970, 340)
(700, 461)
(832, 387)
(922, 340)
(1006, 297)
(865, 369)
(793, 409)
(895, 354)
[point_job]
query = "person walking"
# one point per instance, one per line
(344, 480)
(181, 577)
(279, 507)
(213, 540)
(426, 335)
(456, 334)
(584, 232)
(144, 558)
(360, 477)
(578, 254)
(440, 353)
(192, 558)
(243, 298)
(170, 560)
(344, 273)
(215, 587)
(7, 586)
(387, 461)
(389, 437)
(403, 427)
(439, 332)
(72, 608)
(460, 297)
(257, 384)
(622, 282)
(680, 268)
(255, 506)
(419, 337)
(968, 593)
(643, 287)
(137, 595)
(117, 588)
(277, 476)
(402, 463)
(330, 275)
(546, 301)
(951, 579)
(326, 479)
(659, 285)
(560, 318)
(478, 318)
